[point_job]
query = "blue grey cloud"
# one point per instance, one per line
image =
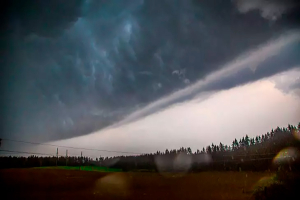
(70, 68)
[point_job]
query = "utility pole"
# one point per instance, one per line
(80, 161)
(56, 156)
(67, 157)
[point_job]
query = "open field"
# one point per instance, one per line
(75, 184)
(84, 168)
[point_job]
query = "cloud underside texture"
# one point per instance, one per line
(88, 65)
(196, 123)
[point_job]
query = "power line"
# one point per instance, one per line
(5, 152)
(34, 153)
(70, 147)
(125, 152)
(26, 152)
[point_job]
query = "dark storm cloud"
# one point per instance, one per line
(44, 18)
(286, 11)
(73, 67)
(264, 61)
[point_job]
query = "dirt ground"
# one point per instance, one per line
(73, 184)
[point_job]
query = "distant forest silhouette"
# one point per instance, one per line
(255, 154)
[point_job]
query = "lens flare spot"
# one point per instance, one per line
(296, 134)
(162, 163)
(202, 158)
(182, 162)
(116, 184)
(286, 155)
(264, 182)
(113, 161)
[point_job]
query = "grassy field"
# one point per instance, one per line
(84, 168)
(75, 184)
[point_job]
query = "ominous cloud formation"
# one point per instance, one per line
(271, 9)
(73, 67)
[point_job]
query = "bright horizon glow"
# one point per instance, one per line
(250, 59)
(252, 109)
(212, 117)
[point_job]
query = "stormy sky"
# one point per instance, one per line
(70, 68)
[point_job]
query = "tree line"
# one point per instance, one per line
(256, 154)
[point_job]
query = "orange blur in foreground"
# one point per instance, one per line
(73, 184)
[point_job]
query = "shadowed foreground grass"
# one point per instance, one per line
(75, 184)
